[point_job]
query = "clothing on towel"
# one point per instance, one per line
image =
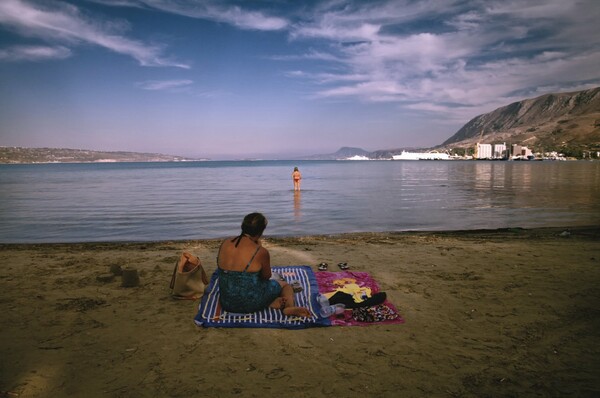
(348, 300)
(377, 313)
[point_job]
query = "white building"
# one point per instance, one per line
(499, 151)
(521, 152)
(483, 151)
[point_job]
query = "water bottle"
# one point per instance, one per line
(328, 310)
(322, 300)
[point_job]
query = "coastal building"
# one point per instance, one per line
(483, 151)
(499, 151)
(521, 152)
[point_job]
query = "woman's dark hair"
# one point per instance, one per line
(254, 224)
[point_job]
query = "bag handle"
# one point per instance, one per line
(185, 257)
(172, 284)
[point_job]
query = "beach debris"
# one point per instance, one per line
(130, 277)
(116, 269)
(105, 278)
(565, 234)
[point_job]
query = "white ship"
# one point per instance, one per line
(405, 155)
(358, 157)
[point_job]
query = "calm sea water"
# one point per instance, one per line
(173, 201)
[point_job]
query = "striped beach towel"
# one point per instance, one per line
(210, 313)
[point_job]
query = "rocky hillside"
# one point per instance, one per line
(551, 121)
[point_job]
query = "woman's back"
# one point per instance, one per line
(248, 255)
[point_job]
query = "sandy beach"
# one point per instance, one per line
(500, 313)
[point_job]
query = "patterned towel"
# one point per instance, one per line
(360, 285)
(210, 313)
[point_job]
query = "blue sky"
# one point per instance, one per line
(279, 78)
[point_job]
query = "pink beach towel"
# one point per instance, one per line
(359, 284)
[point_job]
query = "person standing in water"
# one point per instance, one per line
(296, 177)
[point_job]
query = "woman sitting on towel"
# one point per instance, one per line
(245, 272)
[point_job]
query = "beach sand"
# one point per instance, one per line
(498, 313)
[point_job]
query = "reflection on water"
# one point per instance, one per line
(547, 187)
(297, 206)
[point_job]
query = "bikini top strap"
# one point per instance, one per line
(250, 262)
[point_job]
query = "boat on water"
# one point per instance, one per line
(405, 155)
(358, 157)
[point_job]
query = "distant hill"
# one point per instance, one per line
(551, 121)
(65, 155)
(564, 122)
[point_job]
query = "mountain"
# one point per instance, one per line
(563, 122)
(550, 122)
(65, 155)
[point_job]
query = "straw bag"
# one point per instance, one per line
(189, 278)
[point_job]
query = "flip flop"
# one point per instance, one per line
(343, 266)
(323, 267)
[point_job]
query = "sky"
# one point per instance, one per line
(225, 79)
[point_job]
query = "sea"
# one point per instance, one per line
(159, 201)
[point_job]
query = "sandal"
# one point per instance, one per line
(343, 266)
(323, 267)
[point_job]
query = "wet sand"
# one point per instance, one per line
(488, 313)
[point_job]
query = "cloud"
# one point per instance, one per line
(33, 53)
(64, 23)
(209, 10)
(309, 55)
(430, 55)
(449, 56)
(154, 85)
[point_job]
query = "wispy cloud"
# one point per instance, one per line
(218, 11)
(452, 55)
(164, 84)
(430, 55)
(33, 53)
(309, 55)
(64, 23)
